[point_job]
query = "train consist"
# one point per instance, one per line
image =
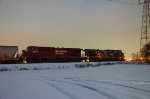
(36, 54)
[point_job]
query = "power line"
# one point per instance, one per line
(122, 2)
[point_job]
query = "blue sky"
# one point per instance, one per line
(99, 24)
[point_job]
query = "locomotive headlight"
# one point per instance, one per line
(141, 58)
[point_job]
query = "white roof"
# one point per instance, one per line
(8, 52)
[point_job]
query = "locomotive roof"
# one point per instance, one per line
(38, 47)
(52, 47)
(101, 50)
(8, 51)
(92, 50)
(113, 50)
(7, 46)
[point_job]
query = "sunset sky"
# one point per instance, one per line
(100, 24)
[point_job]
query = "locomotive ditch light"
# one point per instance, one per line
(24, 62)
(141, 59)
(87, 59)
(83, 60)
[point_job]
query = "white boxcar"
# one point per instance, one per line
(8, 52)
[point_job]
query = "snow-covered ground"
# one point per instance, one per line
(64, 81)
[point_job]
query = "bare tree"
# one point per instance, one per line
(146, 52)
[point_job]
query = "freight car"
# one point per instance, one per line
(35, 54)
(94, 55)
(9, 54)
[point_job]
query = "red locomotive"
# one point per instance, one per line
(51, 54)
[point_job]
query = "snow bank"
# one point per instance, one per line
(46, 66)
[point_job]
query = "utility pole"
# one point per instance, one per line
(145, 29)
